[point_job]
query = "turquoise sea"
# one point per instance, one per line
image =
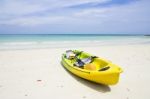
(31, 41)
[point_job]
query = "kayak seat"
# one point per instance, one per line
(79, 63)
(82, 62)
(70, 54)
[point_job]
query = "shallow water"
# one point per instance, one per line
(29, 41)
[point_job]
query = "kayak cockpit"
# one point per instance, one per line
(86, 61)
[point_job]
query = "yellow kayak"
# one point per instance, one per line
(91, 67)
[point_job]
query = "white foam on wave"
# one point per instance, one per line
(66, 44)
(18, 43)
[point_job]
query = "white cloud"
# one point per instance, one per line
(76, 2)
(16, 7)
(90, 13)
(26, 12)
(19, 8)
(32, 21)
(138, 10)
(130, 17)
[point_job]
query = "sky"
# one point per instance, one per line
(74, 16)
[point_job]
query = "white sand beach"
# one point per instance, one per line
(38, 74)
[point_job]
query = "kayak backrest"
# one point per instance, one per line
(87, 60)
(79, 63)
(70, 54)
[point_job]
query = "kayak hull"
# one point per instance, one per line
(108, 77)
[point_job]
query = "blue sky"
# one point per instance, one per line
(74, 16)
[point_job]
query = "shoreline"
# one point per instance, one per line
(70, 44)
(72, 47)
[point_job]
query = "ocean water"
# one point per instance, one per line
(30, 41)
